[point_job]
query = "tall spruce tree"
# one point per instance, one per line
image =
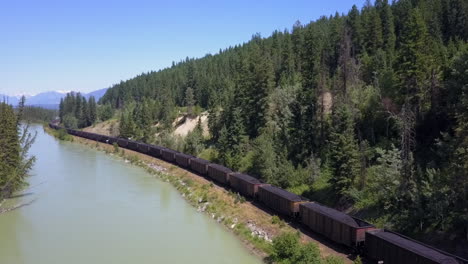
(344, 155)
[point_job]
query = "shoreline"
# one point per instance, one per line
(254, 226)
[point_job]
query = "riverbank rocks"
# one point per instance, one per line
(156, 167)
(258, 232)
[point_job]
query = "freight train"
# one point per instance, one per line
(379, 245)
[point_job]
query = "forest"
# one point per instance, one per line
(365, 111)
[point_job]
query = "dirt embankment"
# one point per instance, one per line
(253, 216)
(108, 128)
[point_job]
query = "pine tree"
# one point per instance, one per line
(92, 108)
(413, 61)
(9, 150)
(189, 101)
(356, 29)
(61, 110)
(344, 156)
(388, 27)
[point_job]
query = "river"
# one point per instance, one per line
(94, 208)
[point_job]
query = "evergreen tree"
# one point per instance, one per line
(61, 110)
(344, 156)
(9, 150)
(189, 101)
(92, 109)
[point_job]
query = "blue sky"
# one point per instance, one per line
(88, 45)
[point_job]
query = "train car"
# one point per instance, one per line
(168, 155)
(334, 224)
(199, 165)
(132, 145)
(112, 140)
(244, 184)
(219, 173)
(122, 142)
(103, 139)
(155, 151)
(280, 200)
(387, 247)
(84, 134)
(143, 147)
(183, 159)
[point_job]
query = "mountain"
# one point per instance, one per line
(13, 100)
(97, 94)
(50, 99)
(46, 98)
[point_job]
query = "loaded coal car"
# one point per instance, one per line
(112, 140)
(132, 145)
(219, 173)
(84, 134)
(183, 159)
(143, 147)
(103, 138)
(122, 142)
(199, 165)
(244, 184)
(168, 155)
(283, 202)
(388, 247)
(335, 225)
(155, 151)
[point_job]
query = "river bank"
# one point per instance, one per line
(253, 225)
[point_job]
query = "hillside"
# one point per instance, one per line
(365, 112)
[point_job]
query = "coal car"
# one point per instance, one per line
(334, 224)
(392, 248)
(244, 184)
(183, 159)
(281, 201)
(168, 155)
(219, 173)
(199, 165)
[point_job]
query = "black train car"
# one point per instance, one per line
(219, 173)
(183, 159)
(132, 145)
(334, 224)
(122, 142)
(393, 248)
(112, 140)
(143, 147)
(283, 202)
(199, 165)
(168, 155)
(244, 184)
(103, 138)
(84, 134)
(155, 151)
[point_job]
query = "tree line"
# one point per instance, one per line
(365, 110)
(77, 112)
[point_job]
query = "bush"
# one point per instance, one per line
(116, 147)
(277, 221)
(69, 121)
(288, 249)
(62, 135)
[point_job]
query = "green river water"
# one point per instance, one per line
(90, 207)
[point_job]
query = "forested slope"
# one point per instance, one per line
(367, 110)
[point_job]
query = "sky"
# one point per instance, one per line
(89, 45)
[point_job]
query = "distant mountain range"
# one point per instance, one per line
(50, 100)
